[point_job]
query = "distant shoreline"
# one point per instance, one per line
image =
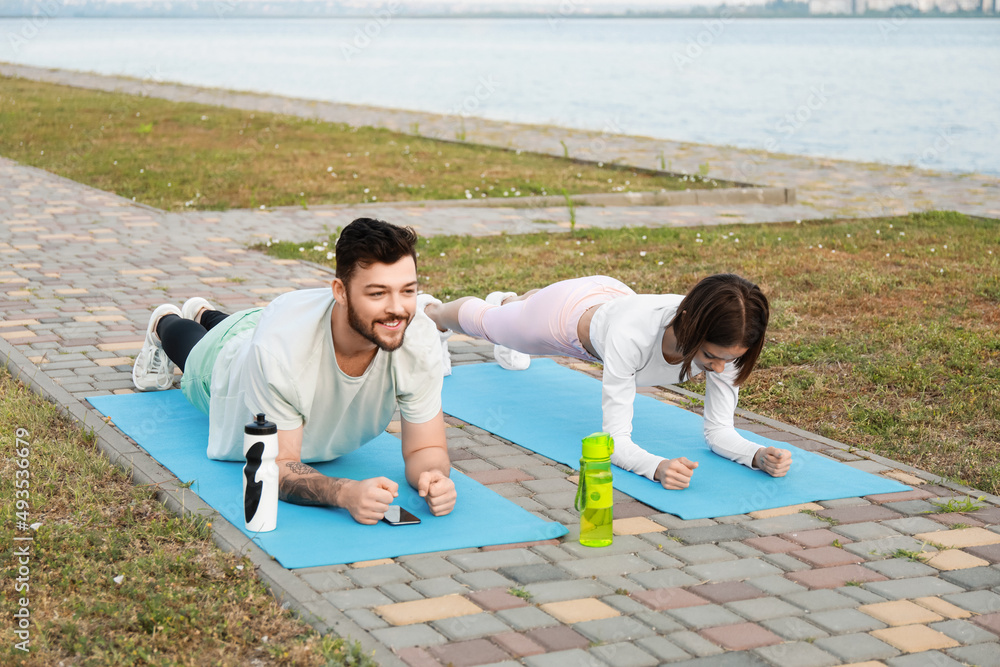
(708, 12)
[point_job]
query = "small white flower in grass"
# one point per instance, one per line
(878, 231)
(821, 245)
(989, 252)
(659, 263)
(945, 247)
(902, 233)
(329, 255)
(204, 117)
(644, 238)
(239, 567)
(268, 244)
(932, 249)
(262, 207)
(442, 254)
(833, 251)
(581, 254)
(276, 145)
(366, 190)
(302, 249)
(699, 240)
(478, 249)
(447, 164)
(318, 247)
(169, 185)
(374, 198)
(736, 240)
(348, 155)
(940, 270)
(468, 195)
(642, 253)
(848, 236)
(600, 164)
(609, 180)
(329, 169)
(890, 226)
(116, 162)
(886, 254)
(35, 526)
(546, 243)
(779, 238)
(119, 579)
(578, 242)
(141, 171)
(798, 222)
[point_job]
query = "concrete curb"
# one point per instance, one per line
(714, 197)
(143, 469)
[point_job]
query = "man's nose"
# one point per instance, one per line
(396, 305)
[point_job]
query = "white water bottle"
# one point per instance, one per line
(260, 475)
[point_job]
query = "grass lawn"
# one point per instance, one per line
(114, 577)
(173, 156)
(883, 335)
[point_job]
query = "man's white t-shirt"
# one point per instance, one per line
(627, 334)
(285, 367)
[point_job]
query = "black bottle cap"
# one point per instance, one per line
(260, 426)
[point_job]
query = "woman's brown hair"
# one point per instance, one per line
(726, 310)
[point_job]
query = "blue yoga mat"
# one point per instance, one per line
(549, 408)
(175, 433)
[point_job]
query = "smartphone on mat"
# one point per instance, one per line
(397, 516)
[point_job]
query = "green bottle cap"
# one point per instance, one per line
(598, 446)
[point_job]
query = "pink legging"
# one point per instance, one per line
(545, 323)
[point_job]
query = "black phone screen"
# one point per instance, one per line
(397, 516)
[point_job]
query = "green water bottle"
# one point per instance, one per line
(594, 493)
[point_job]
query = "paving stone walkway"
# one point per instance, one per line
(816, 584)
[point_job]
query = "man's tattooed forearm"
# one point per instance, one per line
(301, 468)
(312, 490)
(304, 485)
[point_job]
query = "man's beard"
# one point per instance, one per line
(368, 330)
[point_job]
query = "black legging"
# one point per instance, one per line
(179, 336)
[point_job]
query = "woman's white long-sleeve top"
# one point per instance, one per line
(627, 334)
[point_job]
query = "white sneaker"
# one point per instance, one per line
(510, 359)
(422, 300)
(153, 370)
(193, 308)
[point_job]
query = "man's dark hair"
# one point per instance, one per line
(367, 241)
(725, 310)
